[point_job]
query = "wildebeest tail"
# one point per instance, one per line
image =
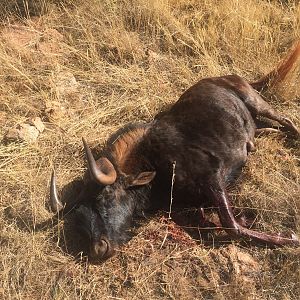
(280, 72)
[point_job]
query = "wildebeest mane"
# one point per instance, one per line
(122, 148)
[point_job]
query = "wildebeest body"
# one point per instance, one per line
(206, 135)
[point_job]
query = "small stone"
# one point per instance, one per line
(11, 135)
(28, 133)
(65, 84)
(22, 133)
(39, 125)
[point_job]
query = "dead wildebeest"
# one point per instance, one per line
(208, 132)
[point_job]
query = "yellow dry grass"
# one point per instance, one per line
(130, 58)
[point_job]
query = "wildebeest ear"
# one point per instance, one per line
(141, 179)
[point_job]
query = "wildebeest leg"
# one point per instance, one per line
(285, 122)
(265, 126)
(259, 107)
(228, 221)
(260, 131)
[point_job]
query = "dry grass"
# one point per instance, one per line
(130, 58)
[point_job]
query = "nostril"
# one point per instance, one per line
(99, 249)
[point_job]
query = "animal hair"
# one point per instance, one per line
(124, 150)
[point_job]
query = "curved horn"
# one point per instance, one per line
(101, 171)
(55, 203)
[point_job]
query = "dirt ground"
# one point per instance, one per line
(78, 68)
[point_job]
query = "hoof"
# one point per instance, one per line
(289, 239)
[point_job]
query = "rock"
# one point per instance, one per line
(65, 84)
(11, 135)
(22, 132)
(37, 122)
(28, 133)
(25, 132)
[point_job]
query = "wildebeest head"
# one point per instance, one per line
(106, 205)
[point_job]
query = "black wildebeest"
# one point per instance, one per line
(208, 132)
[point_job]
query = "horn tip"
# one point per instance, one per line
(55, 203)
